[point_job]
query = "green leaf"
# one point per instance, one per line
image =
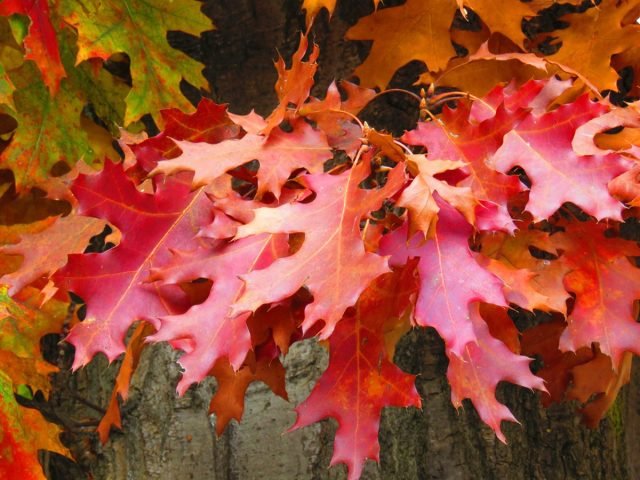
(139, 29)
(50, 129)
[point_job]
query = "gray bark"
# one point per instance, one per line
(165, 437)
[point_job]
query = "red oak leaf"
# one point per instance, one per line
(598, 384)
(585, 375)
(41, 43)
(582, 242)
(279, 155)
(501, 325)
(530, 282)
(228, 401)
(606, 285)
(333, 115)
(542, 340)
(223, 226)
(206, 332)
(542, 147)
(534, 95)
(603, 310)
(210, 123)
(385, 143)
(538, 286)
(451, 278)
(46, 251)
(251, 122)
(483, 364)
(113, 283)
(279, 323)
(129, 364)
(293, 85)
(332, 262)
(456, 139)
(418, 198)
(361, 378)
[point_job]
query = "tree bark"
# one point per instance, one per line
(165, 437)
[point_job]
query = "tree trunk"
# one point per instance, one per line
(165, 437)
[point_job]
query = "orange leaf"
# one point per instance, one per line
(594, 36)
(228, 401)
(416, 30)
(121, 389)
(46, 251)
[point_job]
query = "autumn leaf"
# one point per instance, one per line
(24, 319)
(113, 283)
(602, 395)
(130, 361)
(10, 234)
(210, 123)
(484, 363)
(293, 85)
(606, 318)
(586, 375)
(557, 174)
(416, 30)
(425, 35)
(207, 332)
(585, 141)
(361, 379)
(228, 401)
(385, 143)
(279, 323)
(419, 197)
(501, 325)
(530, 282)
(605, 284)
(593, 37)
(450, 277)
(507, 21)
(484, 73)
(41, 44)
(279, 154)
(626, 187)
(479, 73)
(138, 28)
(454, 138)
(50, 128)
(313, 7)
(542, 341)
(6, 88)
(46, 251)
(332, 262)
(332, 115)
(24, 432)
(630, 59)
(237, 236)
(42, 140)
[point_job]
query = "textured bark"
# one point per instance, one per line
(165, 437)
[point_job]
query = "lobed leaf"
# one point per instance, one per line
(113, 283)
(332, 262)
(139, 28)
